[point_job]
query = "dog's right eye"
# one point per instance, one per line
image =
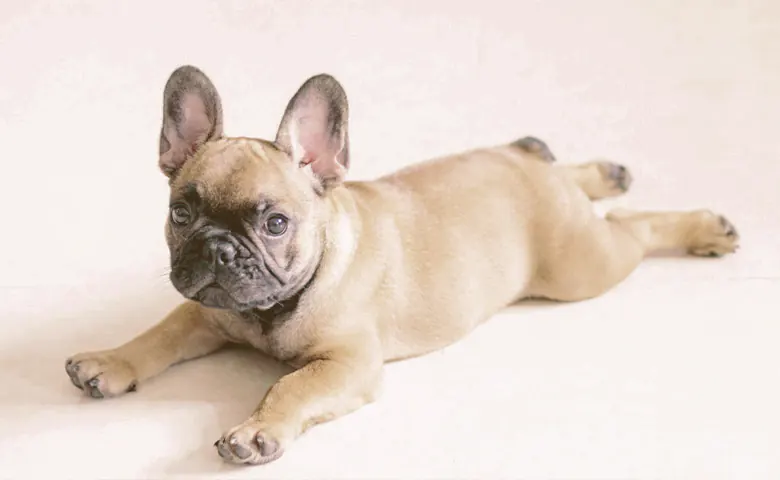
(180, 215)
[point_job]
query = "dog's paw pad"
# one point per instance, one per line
(617, 177)
(536, 147)
(249, 444)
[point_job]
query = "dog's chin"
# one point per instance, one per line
(214, 296)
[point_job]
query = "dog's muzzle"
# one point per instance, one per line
(214, 267)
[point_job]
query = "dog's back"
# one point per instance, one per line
(457, 238)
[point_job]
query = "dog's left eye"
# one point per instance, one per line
(276, 225)
(180, 215)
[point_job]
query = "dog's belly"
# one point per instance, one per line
(440, 309)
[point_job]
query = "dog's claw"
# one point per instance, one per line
(222, 450)
(71, 368)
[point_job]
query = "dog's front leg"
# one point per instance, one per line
(184, 334)
(324, 389)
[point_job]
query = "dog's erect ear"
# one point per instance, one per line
(314, 129)
(192, 115)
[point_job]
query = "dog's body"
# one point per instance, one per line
(338, 278)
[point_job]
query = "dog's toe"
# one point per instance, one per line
(617, 176)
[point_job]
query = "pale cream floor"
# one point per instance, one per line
(674, 374)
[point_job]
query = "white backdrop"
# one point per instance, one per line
(674, 374)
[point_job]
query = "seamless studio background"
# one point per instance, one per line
(671, 375)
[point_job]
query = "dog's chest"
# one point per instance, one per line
(281, 337)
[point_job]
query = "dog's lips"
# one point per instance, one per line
(196, 288)
(266, 304)
(213, 295)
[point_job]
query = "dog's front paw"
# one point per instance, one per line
(250, 443)
(713, 235)
(101, 374)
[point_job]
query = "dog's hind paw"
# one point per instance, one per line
(714, 236)
(536, 147)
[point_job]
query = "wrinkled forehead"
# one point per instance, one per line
(238, 173)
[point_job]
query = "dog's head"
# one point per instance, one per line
(247, 216)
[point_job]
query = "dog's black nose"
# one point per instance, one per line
(221, 253)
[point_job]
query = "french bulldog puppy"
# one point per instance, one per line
(272, 248)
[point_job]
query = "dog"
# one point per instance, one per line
(271, 247)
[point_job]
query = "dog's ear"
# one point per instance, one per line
(192, 116)
(314, 129)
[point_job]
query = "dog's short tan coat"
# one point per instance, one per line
(406, 264)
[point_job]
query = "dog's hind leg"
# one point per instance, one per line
(699, 232)
(598, 179)
(598, 255)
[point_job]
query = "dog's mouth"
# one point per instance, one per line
(195, 288)
(211, 294)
